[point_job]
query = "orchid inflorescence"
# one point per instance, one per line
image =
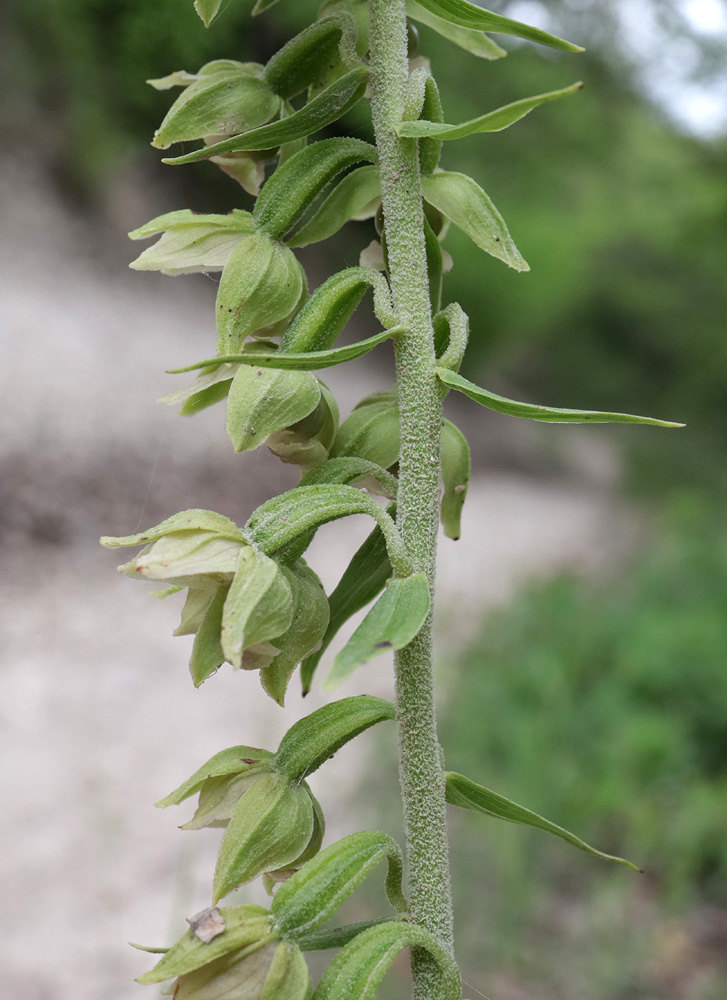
(252, 601)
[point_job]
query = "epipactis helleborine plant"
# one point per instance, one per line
(251, 599)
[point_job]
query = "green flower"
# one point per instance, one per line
(273, 825)
(242, 606)
(262, 284)
(232, 953)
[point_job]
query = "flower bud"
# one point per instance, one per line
(224, 98)
(262, 284)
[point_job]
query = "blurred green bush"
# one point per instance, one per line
(602, 706)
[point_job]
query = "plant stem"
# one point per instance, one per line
(420, 408)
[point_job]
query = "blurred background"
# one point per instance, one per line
(582, 620)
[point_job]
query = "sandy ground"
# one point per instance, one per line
(98, 715)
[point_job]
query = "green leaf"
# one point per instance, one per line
(261, 285)
(234, 760)
(451, 333)
(423, 101)
(465, 204)
(494, 121)
(270, 828)
(466, 794)
(371, 431)
(391, 624)
(359, 968)
(336, 937)
(207, 655)
(244, 926)
(187, 520)
(207, 10)
(305, 59)
(469, 15)
(229, 100)
(456, 477)
(549, 414)
(264, 400)
(364, 578)
(259, 605)
(310, 897)
(304, 509)
(296, 183)
(475, 42)
(330, 105)
(354, 198)
(315, 738)
(304, 361)
(349, 471)
(307, 628)
(325, 314)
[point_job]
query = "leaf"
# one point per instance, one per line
(451, 333)
(307, 628)
(187, 520)
(471, 16)
(315, 738)
(303, 60)
(349, 471)
(337, 937)
(330, 105)
(391, 624)
(264, 400)
(466, 794)
(234, 760)
(456, 478)
(530, 411)
(353, 198)
(244, 926)
(207, 655)
(310, 897)
(494, 121)
(359, 968)
(363, 579)
(464, 202)
(475, 42)
(423, 101)
(207, 10)
(325, 314)
(304, 361)
(270, 828)
(302, 510)
(294, 186)
(259, 605)
(262, 284)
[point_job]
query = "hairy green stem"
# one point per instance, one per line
(420, 406)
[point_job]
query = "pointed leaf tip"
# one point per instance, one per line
(467, 794)
(549, 414)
